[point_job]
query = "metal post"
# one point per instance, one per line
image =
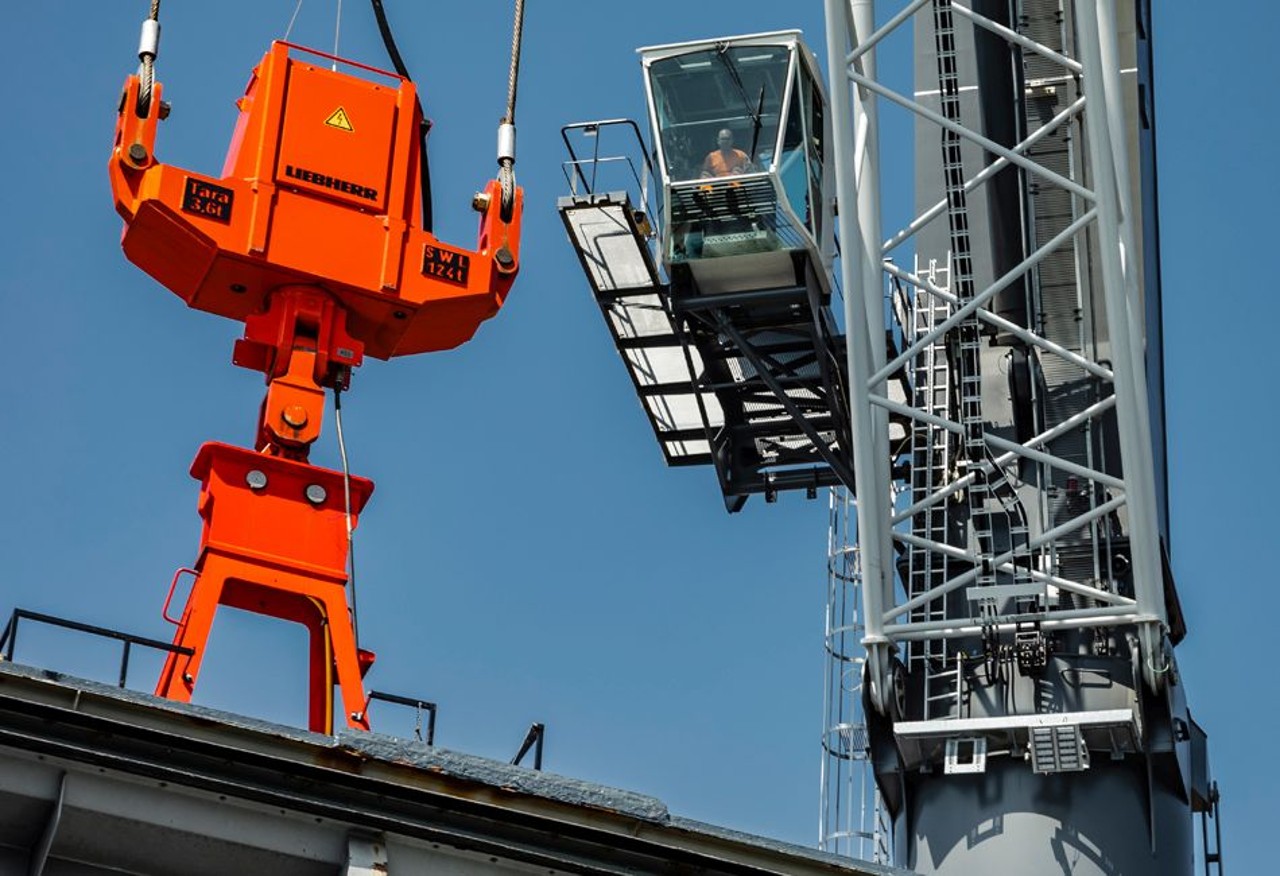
(11, 636)
(124, 663)
(866, 161)
(876, 576)
(1115, 255)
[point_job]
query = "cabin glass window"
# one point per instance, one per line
(814, 128)
(792, 169)
(700, 95)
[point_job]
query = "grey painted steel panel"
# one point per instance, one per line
(1010, 820)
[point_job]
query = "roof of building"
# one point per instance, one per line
(122, 781)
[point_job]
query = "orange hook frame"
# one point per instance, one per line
(320, 186)
(312, 236)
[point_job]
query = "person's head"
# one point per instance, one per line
(724, 140)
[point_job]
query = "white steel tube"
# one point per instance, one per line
(1096, 28)
(1052, 461)
(871, 509)
(1061, 583)
(994, 319)
(972, 575)
(985, 295)
(1094, 410)
(867, 129)
(887, 28)
(982, 176)
(1107, 616)
(899, 408)
(967, 134)
(1014, 36)
(1000, 443)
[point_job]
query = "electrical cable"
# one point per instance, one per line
(346, 500)
(389, 41)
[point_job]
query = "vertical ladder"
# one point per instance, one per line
(931, 459)
(990, 496)
(854, 821)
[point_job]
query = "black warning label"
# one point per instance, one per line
(205, 199)
(445, 264)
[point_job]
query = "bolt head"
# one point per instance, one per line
(294, 416)
(138, 153)
(256, 479)
(316, 494)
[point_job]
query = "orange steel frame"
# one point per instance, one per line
(312, 237)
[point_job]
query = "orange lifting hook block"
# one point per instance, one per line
(312, 237)
(320, 186)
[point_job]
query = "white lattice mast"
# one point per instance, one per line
(1026, 554)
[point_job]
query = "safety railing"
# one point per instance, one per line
(424, 730)
(9, 638)
(420, 706)
(590, 174)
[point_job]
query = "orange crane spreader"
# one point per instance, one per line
(313, 236)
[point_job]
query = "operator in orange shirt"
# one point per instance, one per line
(725, 160)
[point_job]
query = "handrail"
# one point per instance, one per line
(9, 638)
(413, 703)
(575, 168)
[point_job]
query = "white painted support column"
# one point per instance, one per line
(1107, 163)
(366, 855)
(855, 166)
(867, 163)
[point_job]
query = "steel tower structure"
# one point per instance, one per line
(1023, 709)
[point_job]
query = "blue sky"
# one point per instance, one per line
(526, 555)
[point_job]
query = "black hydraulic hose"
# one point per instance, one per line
(397, 62)
(389, 41)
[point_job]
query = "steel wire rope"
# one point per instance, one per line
(346, 504)
(292, 18)
(337, 32)
(148, 48)
(506, 171)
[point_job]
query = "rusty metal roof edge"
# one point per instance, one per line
(837, 863)
(392, 758)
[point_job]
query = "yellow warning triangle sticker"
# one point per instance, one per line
(338, 119)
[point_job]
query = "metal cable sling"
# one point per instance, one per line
(148, 49)
(507, 129)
